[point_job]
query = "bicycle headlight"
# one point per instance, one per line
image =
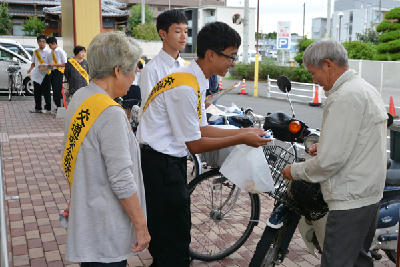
(311, 139)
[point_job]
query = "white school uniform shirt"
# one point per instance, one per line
(45, 54)
(171, 117)
(61, 56)
(156, 69)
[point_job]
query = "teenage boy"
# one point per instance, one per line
(59, 59)
(172, 29)
(173, 120)
(41, 56)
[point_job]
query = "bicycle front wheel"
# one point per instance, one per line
(223, 216)
(10, 87)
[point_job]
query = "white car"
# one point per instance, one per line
(7, 57)
(16, 48)
(251, 56)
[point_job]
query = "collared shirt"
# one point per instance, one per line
(61, 56)
(159, 67)
(171, 118)
(45, 54)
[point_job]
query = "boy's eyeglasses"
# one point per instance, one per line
(234, 59)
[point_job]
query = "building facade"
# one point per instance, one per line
(318, 28)
(200, 16)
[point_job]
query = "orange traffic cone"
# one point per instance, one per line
(243, 90)
(220, 83)
(315, 102)
(392, 110)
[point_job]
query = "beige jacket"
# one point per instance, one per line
(351, 160)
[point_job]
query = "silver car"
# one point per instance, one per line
(7, 57)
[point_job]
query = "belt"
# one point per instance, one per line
(146, 147)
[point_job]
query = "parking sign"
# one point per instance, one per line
(284, 35)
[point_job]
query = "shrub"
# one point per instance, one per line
(359, 50)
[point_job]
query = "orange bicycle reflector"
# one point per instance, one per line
(294, 127)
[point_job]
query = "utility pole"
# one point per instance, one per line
(258, 16)
(246, 32)
(380, 3)
(328, 20)
(304, 17)
(143, 10)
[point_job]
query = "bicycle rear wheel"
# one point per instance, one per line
(193, 167)
(223, 216)
(10, 87)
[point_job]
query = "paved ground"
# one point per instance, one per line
(34, 173)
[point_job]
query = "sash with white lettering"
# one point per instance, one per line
(81, 122)
(79, 68)
(173, 80)
(41, 61)
(55, 61)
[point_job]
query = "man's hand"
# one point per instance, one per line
(286, 173)
(29, 71)
(143, 238)
(252, 138)
(313, 150)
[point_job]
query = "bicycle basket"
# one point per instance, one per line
(304, 197)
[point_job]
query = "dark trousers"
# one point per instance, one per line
(56, 84)
(42, 89)
(168, 208)
(348, 237)
(99, 264)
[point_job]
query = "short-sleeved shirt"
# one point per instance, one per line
(45, 54)
(159, 67)
(74, 78)
(171, 118)
(61, 56)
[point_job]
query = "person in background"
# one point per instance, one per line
(76, 72)
(42, 56)
(101, 159)
(59, 58)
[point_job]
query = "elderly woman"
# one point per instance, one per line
(101, 159)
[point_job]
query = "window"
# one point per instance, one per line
(152, 8)
(351, 17)
(108, 22)
(160, 8)
(5, 56)
(350, 30)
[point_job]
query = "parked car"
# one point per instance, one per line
(30, 49)
(251, 56)
(7, 56)
(272, 54)
(16, 47)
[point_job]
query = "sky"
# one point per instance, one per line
(272, 11)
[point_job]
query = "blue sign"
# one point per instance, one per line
(283, 43)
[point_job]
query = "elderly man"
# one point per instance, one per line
(350, 159)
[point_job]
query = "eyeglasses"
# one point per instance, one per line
(234, 59)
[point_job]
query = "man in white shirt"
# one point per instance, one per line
(172, 28)
(173, 120)
(41, 56)
(59, 59)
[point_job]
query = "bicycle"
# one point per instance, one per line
(15, 83)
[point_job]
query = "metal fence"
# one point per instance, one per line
(4, 259)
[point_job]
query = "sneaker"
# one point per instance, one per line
(44, 111)
(54, 112)
(35, 111)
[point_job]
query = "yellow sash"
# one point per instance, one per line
(79, 68)
(173, 80)
(55, 61)
(81, 122)
(41, 60)
(187, 63)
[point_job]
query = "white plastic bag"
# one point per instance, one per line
(248, 169)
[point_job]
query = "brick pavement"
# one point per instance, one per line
(35, 174)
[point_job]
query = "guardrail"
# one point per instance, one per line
(4, 259)
(300, 91)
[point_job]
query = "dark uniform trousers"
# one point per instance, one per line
(42, 89)
(56, 84)
(168, 208)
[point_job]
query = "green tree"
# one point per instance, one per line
(135, 17)
(360, 50)
(5, 19)
(147, 31)
(301, 46)
(369, 35)
(33, 26)
(389, 42)
(271, 35)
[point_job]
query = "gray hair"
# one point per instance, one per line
(111, 49)
(325, 48)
